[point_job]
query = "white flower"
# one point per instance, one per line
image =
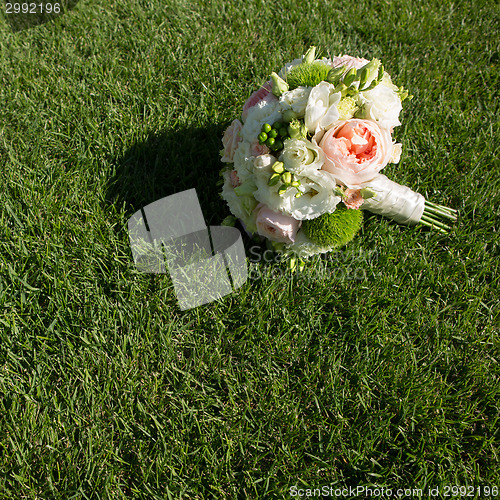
(317, 188)
(264, 112)
(321, 109)
(263, 162)
(383, 105)
(241, 207)
(301, 155)
(295, 100)
(396, 153)
(243, 161)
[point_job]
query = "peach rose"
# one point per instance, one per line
(356, 150)
(231, 140)
(276, 226)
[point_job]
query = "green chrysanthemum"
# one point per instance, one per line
(307, 74)
(336, 229)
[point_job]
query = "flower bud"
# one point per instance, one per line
(369, 72)
(278, 167)
(350, 77)
(339, 88)
(278, 84)
(380, 73)
(403, 94)
(335, 74)
(273, 180)
(362, 76)
(339, 191)
(310, 55)
(286, 177)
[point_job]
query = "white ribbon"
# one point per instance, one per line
(395, 201)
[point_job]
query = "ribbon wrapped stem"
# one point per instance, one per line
(405, 206)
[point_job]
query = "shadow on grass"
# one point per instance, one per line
(164, 164)
(168, 163)
(31, 14)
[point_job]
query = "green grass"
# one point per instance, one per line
(382, 369)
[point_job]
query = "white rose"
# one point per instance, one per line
(318, 196)
(321, 109)
(383, 105)
(258, 115)
(296, 100)
(301, 155)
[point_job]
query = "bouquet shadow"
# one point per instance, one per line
(166, 163)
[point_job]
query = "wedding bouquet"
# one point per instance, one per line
(306, 156)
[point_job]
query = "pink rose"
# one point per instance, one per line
(349, 62)
(258, 149)
(353, 198)
(234, 179)
(231, 140)
(276, 226)
(355, 151)
(264, 93)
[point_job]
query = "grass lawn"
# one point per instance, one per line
(379, 371)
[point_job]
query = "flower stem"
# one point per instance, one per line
(435, 215)
(431, 225)
(442, 207)
(442, 213)
(434, 221)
